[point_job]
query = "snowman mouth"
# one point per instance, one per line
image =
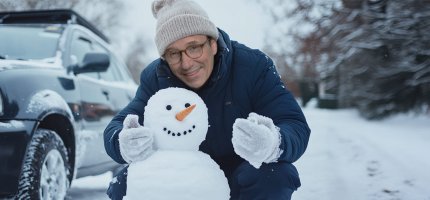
(179, 133)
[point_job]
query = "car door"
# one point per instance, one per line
(96, 110)
(117, 87)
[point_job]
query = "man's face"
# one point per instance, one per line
(194, 72)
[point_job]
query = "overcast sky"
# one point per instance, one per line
(243, 20)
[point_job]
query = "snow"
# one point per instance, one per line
(45, 99)
(90, 187)
(347, 158)
(10, 64)
(351, 158)
(180, 175)
(12, 124)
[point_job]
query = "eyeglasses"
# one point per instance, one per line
(193, 51)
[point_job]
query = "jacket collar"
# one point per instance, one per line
(222, 57)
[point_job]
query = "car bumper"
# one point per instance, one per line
(14, 138)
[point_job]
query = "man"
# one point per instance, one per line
(257, 130)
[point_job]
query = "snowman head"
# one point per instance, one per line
(178, 117)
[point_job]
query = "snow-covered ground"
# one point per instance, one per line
(351, 158)
(347, 158)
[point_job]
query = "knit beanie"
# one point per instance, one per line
(177, 19)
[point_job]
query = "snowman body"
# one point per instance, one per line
(186, 175)
(177, 169)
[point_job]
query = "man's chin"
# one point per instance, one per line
(193, 84)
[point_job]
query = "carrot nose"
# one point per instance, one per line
(184, 113)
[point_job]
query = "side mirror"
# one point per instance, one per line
(93, 62)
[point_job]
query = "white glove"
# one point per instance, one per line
(256, 139)
(135, 141)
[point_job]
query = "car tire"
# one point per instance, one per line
(46, 168)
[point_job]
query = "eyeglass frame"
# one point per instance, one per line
(200, 46)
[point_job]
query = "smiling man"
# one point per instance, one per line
(256, 128)
(195, 68)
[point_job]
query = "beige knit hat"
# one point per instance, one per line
(177, 19)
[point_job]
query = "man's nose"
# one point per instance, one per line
(186, 61)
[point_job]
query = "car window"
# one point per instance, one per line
(125, 74)
(112, 73)
(114, 68)
(81, 45)
(29, 42)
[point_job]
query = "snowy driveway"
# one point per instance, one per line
(348, 158)
(351, 158)
(90, 188)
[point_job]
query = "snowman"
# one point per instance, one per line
(177, 169)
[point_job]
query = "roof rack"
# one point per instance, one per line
(62, 16)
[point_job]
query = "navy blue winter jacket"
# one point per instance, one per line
(243, 80)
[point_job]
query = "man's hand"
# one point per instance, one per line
(256, 139)
(135, 141)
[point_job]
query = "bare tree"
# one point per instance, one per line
(105, 15)
(293, 41)
(370, 54)
(136, 58)
(19, 5)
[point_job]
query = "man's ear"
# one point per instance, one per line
(214, 46)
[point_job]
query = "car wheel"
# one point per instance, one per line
(46, 168)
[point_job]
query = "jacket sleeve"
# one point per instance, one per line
(272, 99)
(136, 106)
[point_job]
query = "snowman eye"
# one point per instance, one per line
(168, 107)
(187, 105)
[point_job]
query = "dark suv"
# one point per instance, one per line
(60, 85)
